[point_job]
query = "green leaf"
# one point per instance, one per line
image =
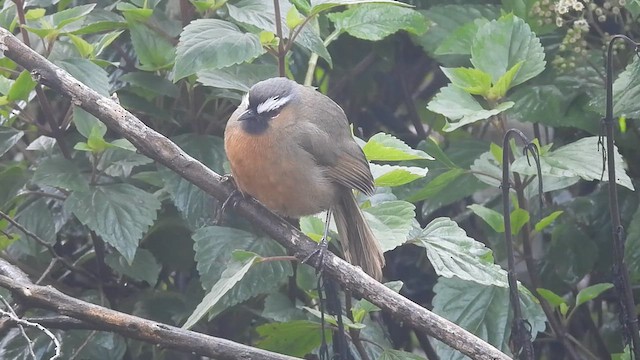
(385, 147)
(59, 172)
(214, 246)
(547, 220)
(332, 319)
(119, 162)
(151, 82)
(581, 158)
(84, 48)
(564, 309)
(261, 14)
(572, 253)
(22, 87)
(553, 299)
(490, 216)
(8, 137)
(96, 141)
(391, 354)
(88, 73)
(144, 267)
(294, 18)
(234, 272)
(318, 6)
(453, 254)
(86, 123)
(519, 218)
(461, 108)
(35, 14)
(499, 90)
(294, 338)
(591, 292)
(119, 213)
(363, 307)
(626, 90)
(501, 44)
(473, 81)
(632, 246)
(213, 43)
(436, 185)
(237, 77)
(390, 222)
(37, 218)
(313, 227)
(484, 311)
(154, 51)
(196, 206)
(374, 22)
(70, 16)
(459, 41)
(12, 179)
(396, 175)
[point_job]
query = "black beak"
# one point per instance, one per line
(247, 115)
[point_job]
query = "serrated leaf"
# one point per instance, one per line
(499, 90)
(119, 162)
(294, 338)
(547, 220)
(196, 206)
(453, 254)
(582, 158)
(461, 108)
(501, 44)
(214, 246)
(234, 272)
(436, 185)
(473, 81)
(59, 172)
(22, 87)
(37, 218)
(459, 41)
(390, 222)
(553, 299)
(591, 292)
(391, 354)
(318, 6)
(484, 311)
(119, 213)
(213, 43)
(9, 137)
(386, 147)
(69, 16)
(374, 22)
(396, 175)
(237, 77)
(490, 216)
(626, 90)
(154, 51)
(144, 267)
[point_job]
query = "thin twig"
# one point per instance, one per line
(282, 52)
(22, 331)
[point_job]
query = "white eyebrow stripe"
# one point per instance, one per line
(273, 103)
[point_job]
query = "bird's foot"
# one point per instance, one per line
(232, 200)
(318, 253)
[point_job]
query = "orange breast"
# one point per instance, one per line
(262, 168)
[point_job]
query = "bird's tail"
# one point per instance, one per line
(358, 242)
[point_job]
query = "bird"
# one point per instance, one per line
(290, 147)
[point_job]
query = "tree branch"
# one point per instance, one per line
(130, 326)
(161, 149)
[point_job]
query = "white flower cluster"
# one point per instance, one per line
(564, 6)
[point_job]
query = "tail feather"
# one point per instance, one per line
(358, 242)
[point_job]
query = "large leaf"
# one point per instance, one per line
(261, 14)
(632, 249)
(322, 5)
(144, 266)
(214, 246)
(37, 218)
(232, 274)
(154, 51)
(8, 138)
(22, 87)
(501, 44)
(196, 206)
(582, 158)
(385, 147)
(119, 213)
(461, 108)
(376, 21)
(294, 338)
(391, 222)
(213, 43)
(454, 254)
(59, 172)
(237, 77)
(12, 178)
(459, 41)
(626, 91)
(396, 175)
(484, 311)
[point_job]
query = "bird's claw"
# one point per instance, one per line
(319, 252)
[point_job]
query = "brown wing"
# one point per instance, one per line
(352, 172)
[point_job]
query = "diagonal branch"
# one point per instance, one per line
(127, 325)
(161, 149)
